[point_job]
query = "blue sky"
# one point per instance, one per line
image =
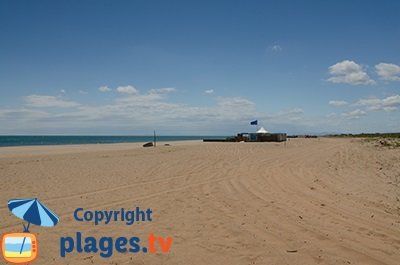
(199, 67)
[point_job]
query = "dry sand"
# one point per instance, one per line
(311, 201)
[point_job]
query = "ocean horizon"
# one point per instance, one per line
(27, 140)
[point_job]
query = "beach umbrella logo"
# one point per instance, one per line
(22, 247)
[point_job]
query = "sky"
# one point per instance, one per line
(199, 67)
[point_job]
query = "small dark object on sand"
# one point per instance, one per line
(149, 144)
(167, 144)
(383, 142)
(291, 251)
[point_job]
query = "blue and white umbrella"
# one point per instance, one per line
(33, 211)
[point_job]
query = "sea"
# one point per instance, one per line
(24, 140)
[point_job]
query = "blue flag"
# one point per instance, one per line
(254, 122)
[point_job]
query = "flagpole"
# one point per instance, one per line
(155, 140)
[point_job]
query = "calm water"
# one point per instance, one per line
(57, 140)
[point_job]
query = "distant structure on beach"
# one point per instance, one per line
(261, 135)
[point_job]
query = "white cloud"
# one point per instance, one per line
(104, 89)
(209, 91)
(127, 90)
(23, 113)
(391, 103)
(337, 103)
(349, 72)
(388, 71)
(293, 111)
(133, 111)
(142, 112)
(387, 104)
(290, 115)
(233, 102)
(140, 99)
(276, 48)
(355, 114)
(39, 101)
(62, 91)
(83, 92)
(163, 90)
(331, 115)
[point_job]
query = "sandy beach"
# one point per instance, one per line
(309, 201)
